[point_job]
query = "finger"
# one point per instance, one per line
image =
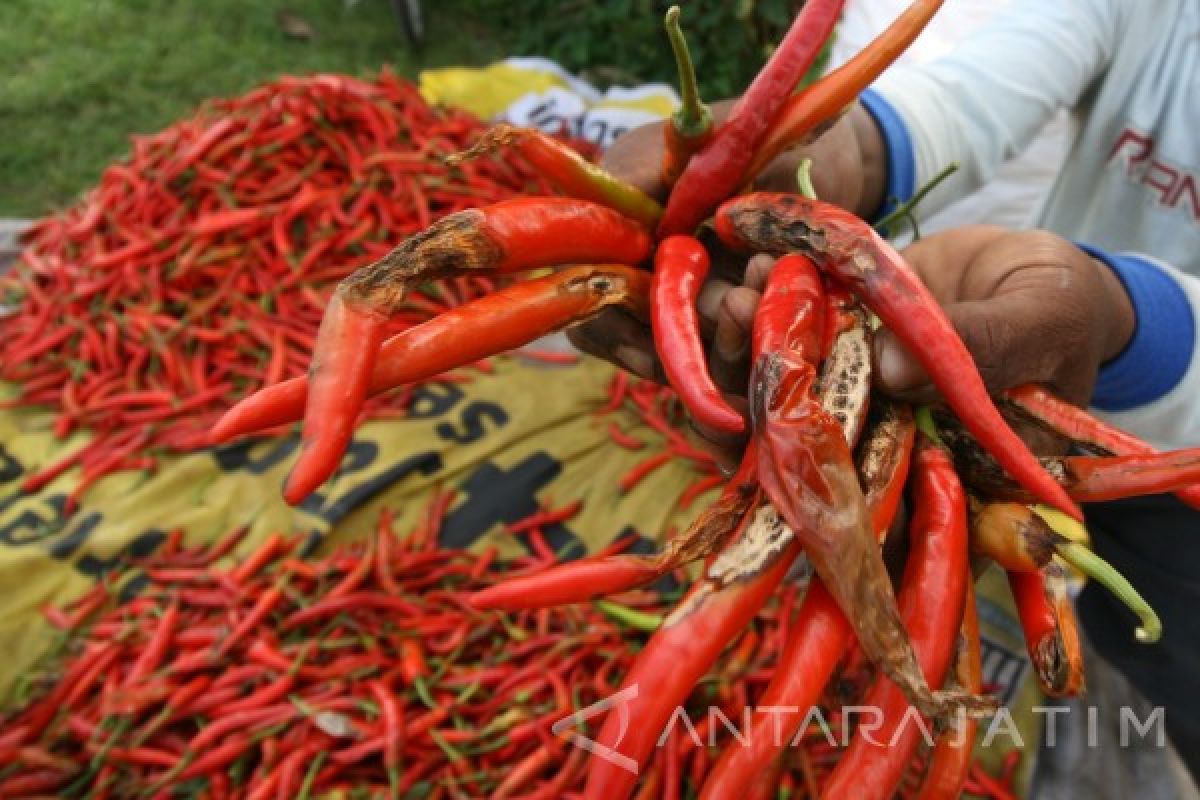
(729, 359)
(708, 305)
(758, 269)
(724, 447)
(621, 339)
(944, 260)
(1011, 344)
(637, 157)
(1001, 339)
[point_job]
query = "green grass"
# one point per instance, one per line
(77, 77)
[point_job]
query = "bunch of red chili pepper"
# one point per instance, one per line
(365, 673)
(826, 464)
(198, 270)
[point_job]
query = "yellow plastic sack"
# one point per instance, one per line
(509, 442)
(538, 93)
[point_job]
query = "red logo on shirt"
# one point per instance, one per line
(1171, 186)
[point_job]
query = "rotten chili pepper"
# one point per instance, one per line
(850, 251)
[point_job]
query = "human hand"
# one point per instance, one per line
(1030, 306)
(728, 299)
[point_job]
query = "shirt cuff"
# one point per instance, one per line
(1164, 335)
(901, 163)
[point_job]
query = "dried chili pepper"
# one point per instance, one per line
(932, 596)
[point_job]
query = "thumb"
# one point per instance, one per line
(1008, 344)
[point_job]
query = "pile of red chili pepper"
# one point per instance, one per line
(197, 270)
(364, 673)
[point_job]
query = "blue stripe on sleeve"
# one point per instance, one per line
(901, 163)
(1164, 336)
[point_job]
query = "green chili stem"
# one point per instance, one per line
(1107, 576)
(693, 119)
(446, 747)
(310, 777)
(804, 179)
(905, 210)
(423, 693)
(926, 425)
(629, 617)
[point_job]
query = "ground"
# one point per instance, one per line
(78, 76)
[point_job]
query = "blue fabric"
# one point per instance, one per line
(1164, 336)
(901, 163)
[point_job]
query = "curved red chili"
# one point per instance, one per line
(1084, 429)
(504, 320)
(568, 171)
(680, 267)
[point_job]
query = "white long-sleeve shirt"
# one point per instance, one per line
(1020, 185)
(1128, 71)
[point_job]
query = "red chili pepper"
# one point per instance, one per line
(1088, 479)
(569, 172)
(691, 127)
(734, 588)
(716, 172)
(950, 760)
(1051, 633)
(932, 597)
(607, 573)
(680, 267)
(1084, 429)
(855, 255)
(393, 724)
(217, 757)
(156, 650)
(809, 109)
(495, 323)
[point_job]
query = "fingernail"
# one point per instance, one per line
(636, 361)
(729, 342)
(894, 372)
